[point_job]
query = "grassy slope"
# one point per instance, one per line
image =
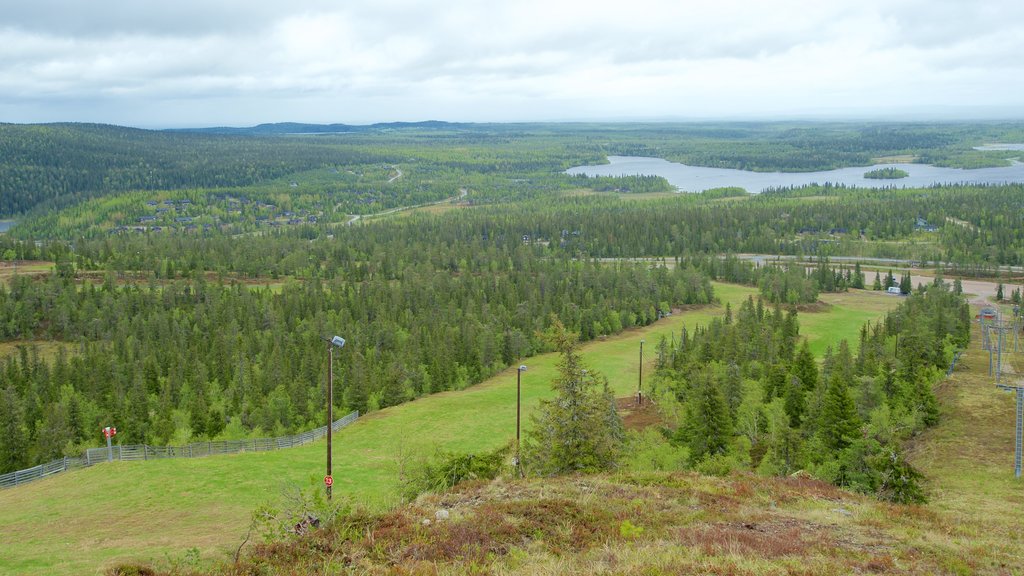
(73, 522)
(969, 461)
(691, 524)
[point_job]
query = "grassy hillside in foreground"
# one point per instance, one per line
(683, 523)
(74, 522)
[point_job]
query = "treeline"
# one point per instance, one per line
(985, 232)
(790, 283)
(753, 396)
(195, 358)
(979, 228)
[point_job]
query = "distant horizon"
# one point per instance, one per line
(230, 63)
(880, 118)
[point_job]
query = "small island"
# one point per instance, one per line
(886, 174)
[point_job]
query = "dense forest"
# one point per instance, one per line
(193, 358)
(977, 228)
(752, 394)
(60, 165)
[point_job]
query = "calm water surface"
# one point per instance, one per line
(699, 178)
(5, 225)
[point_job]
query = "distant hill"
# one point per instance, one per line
(291, 128)
(57, 165)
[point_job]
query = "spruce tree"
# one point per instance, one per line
(13, 440)
(857, 281)
(805, 368)
(906, 286)
(709, 425)
(579, 430)
(839, 421)
(796, 402)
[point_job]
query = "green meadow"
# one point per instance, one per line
(81, 521)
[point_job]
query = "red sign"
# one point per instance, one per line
(108, 432)
(328, 481)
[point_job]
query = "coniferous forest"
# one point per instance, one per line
(188, 278)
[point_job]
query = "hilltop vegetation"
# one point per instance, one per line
(61, 165)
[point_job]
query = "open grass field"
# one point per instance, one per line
(47, 349)
(28, 268)
(79, 522)
(847, 312)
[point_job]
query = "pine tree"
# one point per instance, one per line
(999, 292)
(878, 282)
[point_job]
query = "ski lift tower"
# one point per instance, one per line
(1018, 391)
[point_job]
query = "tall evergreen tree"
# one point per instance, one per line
(795, 402)
(840, 424)
(13, 439)
(579, 430)
(805, 367)
(708, 428)
(906, 286)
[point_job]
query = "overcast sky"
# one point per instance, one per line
(243, 62)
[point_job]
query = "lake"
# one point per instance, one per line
(698, 178)
(5, 225)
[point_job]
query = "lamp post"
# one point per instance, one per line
(640, 377)
(519, 396)
(338, 342)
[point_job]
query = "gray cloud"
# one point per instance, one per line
(229, 61)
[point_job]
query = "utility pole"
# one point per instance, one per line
(640, 377)
(519, 377)
(339, 342)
